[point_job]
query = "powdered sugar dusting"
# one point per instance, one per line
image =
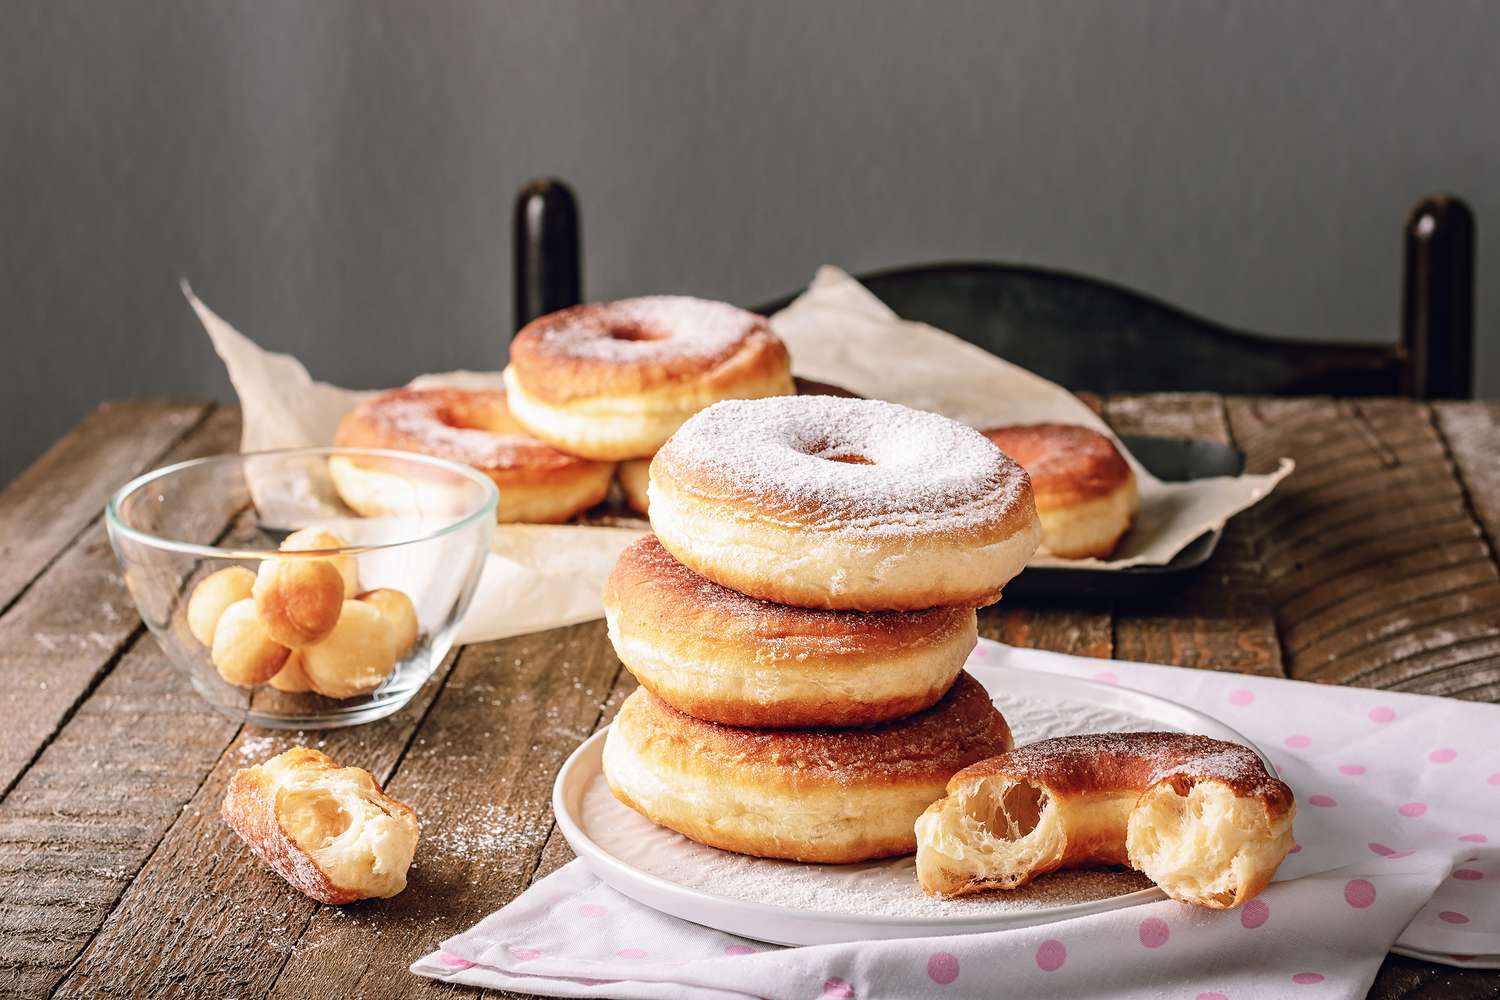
(878, 888)
(655, 328)
(472, 426)
(830, 463)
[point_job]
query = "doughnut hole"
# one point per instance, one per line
(1202, 843)
(635, 331)
(356, 657)
(242, 651)
(311, 539)
(213, 594)
(298, 599)
(848, 459)
(398, 611)
(337, 817)
(291, 678)
(994, 833)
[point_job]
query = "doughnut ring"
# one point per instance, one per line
(613, 380)
(538, 484)
(721, 656)
(1085, 490)
(1201, 818)
(849, 504)
(826, 795)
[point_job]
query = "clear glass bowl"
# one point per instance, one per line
(173, 527)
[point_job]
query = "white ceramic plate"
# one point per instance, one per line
(784, 902)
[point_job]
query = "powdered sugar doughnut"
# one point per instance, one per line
(857, 504)
(538, 484)
(1085, 490)
(614, 380)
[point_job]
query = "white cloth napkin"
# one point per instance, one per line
(1397, 802)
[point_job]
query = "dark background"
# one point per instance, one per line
(335, 177)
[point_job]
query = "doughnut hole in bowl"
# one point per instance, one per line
(282, 606)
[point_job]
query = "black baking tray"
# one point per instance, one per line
(1172, 460)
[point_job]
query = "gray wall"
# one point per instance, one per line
(335, 177)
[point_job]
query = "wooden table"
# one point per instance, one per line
(1373, 565)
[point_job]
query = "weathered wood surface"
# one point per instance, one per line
(1373, 564)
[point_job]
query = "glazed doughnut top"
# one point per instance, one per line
(472, 426)
(834, 464)
(1064, 460)
(1091, 762)
(636, 345)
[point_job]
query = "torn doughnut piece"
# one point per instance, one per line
(1201, 818)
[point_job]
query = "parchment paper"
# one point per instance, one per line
(544, 576)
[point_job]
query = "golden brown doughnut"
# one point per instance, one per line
(721, 656)
(837, 503)
(1085, 490)
(538, 484)
(331, 832)
(1202, 818)
(298, 599)
(212, 595)
(634, 474)
(613, 380)
(356, 657)
(822, 795)
(242, 651)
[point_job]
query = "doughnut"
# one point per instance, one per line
(315, 539)
(1085, 491)
(1201, 818)
(721, 656)
(291, 678)
(634, 475)
(212, 595)
(331, 832)
(298, 599)
(822, 795)
(613, 380)
(847, 504)
(538, 484)
(398, 611)
(242, 651)
(356, 657)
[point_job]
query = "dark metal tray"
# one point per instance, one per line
(1173, 460)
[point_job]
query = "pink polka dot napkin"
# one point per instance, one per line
(1399, 797)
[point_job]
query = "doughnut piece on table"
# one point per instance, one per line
(614, 380)
(1201, 818)
(822, 795)
(538, 484)
(1085, 490)
(721, 656)
(331, 832)
(849, 504)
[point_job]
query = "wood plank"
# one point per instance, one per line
(45, 508)
(1221, 619)
(480, 776)
(203, 917)
(1471, 432)
(1377, 569)
(1402, 978)
(87, 815)
(69, 627)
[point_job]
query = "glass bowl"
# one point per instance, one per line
(174, 527)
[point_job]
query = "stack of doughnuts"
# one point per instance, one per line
(589, 390)
(799, 623)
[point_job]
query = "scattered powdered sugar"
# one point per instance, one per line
(652, 329)
(877, 888)
(828, 462)
(487, 836)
